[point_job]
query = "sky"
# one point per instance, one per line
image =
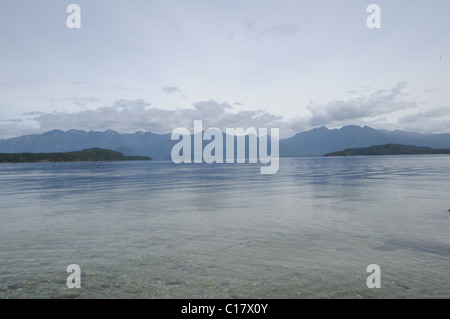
(155, 65)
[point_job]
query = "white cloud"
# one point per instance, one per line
(432, 114)
(129, 116)
(376, 104)
(433, 121)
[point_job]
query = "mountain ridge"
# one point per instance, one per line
(315, 142)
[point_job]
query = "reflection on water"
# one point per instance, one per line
(158, 230)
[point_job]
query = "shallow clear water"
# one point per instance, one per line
(160, 230)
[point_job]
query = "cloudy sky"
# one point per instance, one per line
(154, 65)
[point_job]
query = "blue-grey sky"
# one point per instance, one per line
(154, 65)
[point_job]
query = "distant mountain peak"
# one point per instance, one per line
(351, 127)
(53, 132)
(72, 131)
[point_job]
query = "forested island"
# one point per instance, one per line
(94, 154)
(389, 149)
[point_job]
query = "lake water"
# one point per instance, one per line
(160, 230)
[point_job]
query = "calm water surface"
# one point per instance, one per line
(158, 230)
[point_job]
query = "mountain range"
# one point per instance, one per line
(316, 142)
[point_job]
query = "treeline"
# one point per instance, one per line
(389, 149)
(95, 154)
